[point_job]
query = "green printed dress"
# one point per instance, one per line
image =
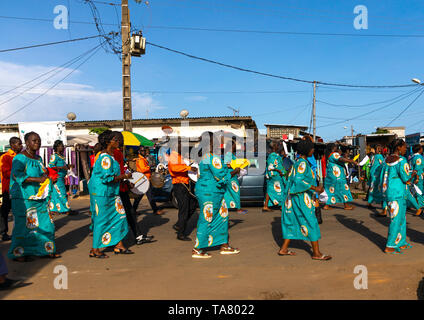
(394, 177)
(298, 218)
(212, 226)
(33, 231)
(108, 214)
(232, 193)
(417, 164)
(275, 184)
(376, 194)
(335, 183)
(59, 197)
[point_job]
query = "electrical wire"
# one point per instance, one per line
(273, 75)
(64, 65)
(50, 43)
(407, 107)
(69, 63)
(53, 86)
(372, 111)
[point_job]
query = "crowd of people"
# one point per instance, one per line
(35, 193)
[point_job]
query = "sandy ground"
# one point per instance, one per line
(165, 270)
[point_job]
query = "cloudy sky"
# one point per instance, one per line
(164, 83)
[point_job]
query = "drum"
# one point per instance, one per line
(141, 183)
(194, 175)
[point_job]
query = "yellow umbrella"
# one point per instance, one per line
(135, 139)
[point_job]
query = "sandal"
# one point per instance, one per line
(328, 208)
(288, 253)
(229, 250)
(349, 208)
(407, 246)
(242, 212)
(267, 210)
(324, 257)
(396, 251)
(122, 251)
(54, 256)
(98, 256)
(200, 254)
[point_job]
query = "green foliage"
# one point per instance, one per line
(98, 130)
(380, 131)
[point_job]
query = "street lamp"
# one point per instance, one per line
(417, 81)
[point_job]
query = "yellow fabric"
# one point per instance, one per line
(239, 163)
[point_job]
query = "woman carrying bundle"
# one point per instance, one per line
(33, 232)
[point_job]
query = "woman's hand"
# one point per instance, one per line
(318, 189)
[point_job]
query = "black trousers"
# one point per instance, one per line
(186, 206)
(152, 201)
(5, 209)
(131, 216)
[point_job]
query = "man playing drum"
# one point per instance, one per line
(143, 167)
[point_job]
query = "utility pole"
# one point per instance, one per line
(314, 111)
(126, 66)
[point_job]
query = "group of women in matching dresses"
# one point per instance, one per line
(34, 196)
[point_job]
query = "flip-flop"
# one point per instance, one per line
(242, 212)
(349, 208)
(396, 251)
(324, 257)
(289, 253)
(269, 210)
(408, 246)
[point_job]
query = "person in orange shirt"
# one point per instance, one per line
(143, 166)
(6, 168)
(187, 203)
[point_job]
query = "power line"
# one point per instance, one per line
(273, 75)
(51, 43)
(362, 105)
(372, 111)
(54, 85)
(66, 64)
(422, 91)
(298, 33)
(69, 63)
(227, 30)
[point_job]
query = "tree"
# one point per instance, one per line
(98, 130)
(381, 131)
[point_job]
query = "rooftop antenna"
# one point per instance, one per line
(236, 112)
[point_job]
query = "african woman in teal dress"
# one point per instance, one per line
(109, 220)
(33, 232)
(59, 197)
(396, 177)
(298, 218)
(335, 183)
(275, 179)
(232, 193)
(212, 226)
(375, 193)
(417, 165)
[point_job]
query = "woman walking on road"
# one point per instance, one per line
(110, 224)
(298, 218)
(396, 177)
(375, 184)
(33, 232)
(59, 198)
(335, 183)
(275, 179)
(212, 226)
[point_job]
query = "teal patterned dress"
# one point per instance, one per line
(108, 214)
(232, 193)
(33, 231)
(376, 194)
(275, 184)
(298, 218)
(59, 197)
(212, 226)
(335, 183)
(395, 176)
(417, 164)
